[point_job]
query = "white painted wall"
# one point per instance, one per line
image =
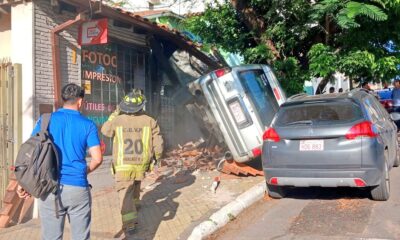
(22, 52)
(5, 36)
(178, 6)
(341, 81)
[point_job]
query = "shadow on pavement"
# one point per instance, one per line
(320, 193)
(160, 204)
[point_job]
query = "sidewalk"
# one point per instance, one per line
(170, 208)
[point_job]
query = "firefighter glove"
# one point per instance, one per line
(114, 114)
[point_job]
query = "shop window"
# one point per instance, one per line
(108, 73)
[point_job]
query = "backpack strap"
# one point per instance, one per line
(45, 121)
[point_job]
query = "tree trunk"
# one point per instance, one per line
(254, 23)
(322, 85)
(327, 29)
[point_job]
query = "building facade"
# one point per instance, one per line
(42, 37)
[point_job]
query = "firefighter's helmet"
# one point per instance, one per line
(133, 102)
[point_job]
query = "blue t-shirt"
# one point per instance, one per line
(72, 134)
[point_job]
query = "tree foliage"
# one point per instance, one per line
(322, 61)
(221, 26)
(308, 38)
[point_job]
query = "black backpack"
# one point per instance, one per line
(37, 163)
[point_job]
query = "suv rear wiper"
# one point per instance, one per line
(305, 122)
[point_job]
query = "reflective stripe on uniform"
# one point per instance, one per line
(126, 169)
(120, 146)
(128, 217)
(145, 141)
(140, 167)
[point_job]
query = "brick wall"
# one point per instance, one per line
(45, 19)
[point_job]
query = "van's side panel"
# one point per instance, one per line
(226, 97)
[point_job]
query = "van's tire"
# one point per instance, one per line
(397, 159)
(277, 192)
(382, 191)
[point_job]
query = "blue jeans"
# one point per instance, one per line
(74, 202)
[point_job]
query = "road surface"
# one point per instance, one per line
(320, 213)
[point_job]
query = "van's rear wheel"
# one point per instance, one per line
(382, 191)
(397, 159)
(277, 192)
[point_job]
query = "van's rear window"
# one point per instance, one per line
(259, 90)
(319, 113)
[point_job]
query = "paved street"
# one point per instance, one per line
(320, 214)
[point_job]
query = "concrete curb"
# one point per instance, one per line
(228, 212)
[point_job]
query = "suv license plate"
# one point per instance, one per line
(311, 145)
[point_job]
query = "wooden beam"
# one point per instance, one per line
(55, 49)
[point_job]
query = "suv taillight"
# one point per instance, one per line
(363, 129)
(256, 152)
(271, 135)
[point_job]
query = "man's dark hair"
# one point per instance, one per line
(364, 84)
(340, 89)
(71, 93)
(331, 90)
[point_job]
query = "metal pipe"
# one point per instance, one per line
(55, 48)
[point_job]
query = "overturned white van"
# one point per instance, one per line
(237, 104)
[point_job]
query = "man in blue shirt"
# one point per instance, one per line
(396, 95)
(72, 135)
(396, 99)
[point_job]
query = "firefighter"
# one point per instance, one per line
(137, 142)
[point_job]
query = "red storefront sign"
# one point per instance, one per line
(93, 32)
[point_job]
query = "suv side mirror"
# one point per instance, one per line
(395, 116)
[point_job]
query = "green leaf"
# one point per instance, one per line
(355, 9)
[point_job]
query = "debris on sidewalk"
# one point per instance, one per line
(230, 166)
(215, 184)
(197, 157)
(193, 156)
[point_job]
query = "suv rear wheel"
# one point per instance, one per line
(277, 192)
(382, 191)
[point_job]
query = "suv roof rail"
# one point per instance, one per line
(296, 96)
(359, 90)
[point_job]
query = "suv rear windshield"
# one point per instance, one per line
(257, 87)
(319, 113)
